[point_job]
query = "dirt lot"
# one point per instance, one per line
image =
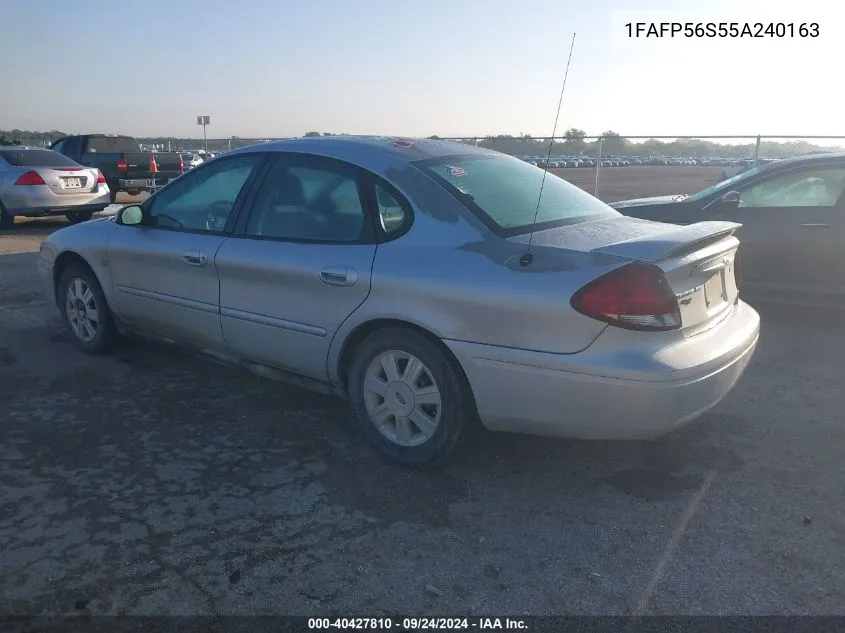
(154, 482)
(623, 183)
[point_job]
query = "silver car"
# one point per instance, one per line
(405, 275)
(40, 182)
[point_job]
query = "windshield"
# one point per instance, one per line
(726, 185)
(503, 191)
(36, 158)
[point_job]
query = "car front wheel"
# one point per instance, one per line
(84, 310)
(407, 396)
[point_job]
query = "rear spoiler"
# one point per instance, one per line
(672, 242)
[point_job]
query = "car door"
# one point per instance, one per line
(792, 230)
(300, 264)
(162, 270)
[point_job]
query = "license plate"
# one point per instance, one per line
(72, 183)
(714, 290)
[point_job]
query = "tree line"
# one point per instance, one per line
(573, 141)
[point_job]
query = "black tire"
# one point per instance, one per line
(454, 410)
(133, 192)
(105, 334)
(79, 216)
(113, 195)
(6, 219)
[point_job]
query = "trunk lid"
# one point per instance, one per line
(64, 181)
(698, 260)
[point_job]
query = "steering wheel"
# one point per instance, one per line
(218, 213)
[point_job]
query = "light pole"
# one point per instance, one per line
(204, 120)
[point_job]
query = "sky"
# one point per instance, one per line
(264, 68)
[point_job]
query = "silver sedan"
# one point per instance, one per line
(431, 283)
(40, 182)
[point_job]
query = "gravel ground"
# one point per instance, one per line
(624, 183)
(155, 482)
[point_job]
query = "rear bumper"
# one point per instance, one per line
(146, 184)
(40, 201)
(609, 394)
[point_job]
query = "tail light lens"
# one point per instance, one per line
(634, 297)
(101, 180)
(122, 166)
(30, 178)
(181, 165)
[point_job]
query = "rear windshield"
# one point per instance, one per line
(36, 158)
(111, 144)
(503, 192)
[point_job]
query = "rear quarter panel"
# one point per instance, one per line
(453, 277)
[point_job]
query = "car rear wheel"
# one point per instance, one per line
(79, 216)
(6, 218)
(408, 397)
(133, 192)
(84, 309)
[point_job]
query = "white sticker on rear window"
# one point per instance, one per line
(456, 171)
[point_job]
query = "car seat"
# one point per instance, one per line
(282, 212)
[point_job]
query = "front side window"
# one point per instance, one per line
(203, 199)
(504, 192)
(820, 187)
(312, 202)
(726, 185)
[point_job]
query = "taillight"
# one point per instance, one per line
(635, 297)
(101, 180)
(30, 178)
(181, 165)
(122, 166)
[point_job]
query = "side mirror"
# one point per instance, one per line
(131, 215)
(728, 204)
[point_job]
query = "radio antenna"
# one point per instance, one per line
(526, 258)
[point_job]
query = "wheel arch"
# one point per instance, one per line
(65, 259)
(360, 333)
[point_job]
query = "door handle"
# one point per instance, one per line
(816, 225)
(195, 258)
(339, 276)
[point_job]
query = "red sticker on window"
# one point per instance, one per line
(401, 142)
(456, 171)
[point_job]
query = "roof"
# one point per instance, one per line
(809, 158)
(403, 148)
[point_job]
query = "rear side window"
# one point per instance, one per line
(36, 158)
(391, 212)
(503, 192)
(111, 145)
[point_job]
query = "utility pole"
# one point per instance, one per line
(204, 120)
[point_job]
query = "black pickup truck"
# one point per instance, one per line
(122, 162)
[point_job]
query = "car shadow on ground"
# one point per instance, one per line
(321, 428)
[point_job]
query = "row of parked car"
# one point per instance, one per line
(80, 175)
